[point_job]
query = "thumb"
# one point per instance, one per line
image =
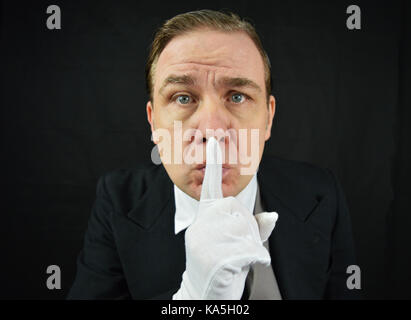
(266, 222)
(211, 188)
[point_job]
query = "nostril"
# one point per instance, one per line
(222, 139)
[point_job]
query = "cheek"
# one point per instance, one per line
(256, 128)
(162, 119)
(255, 117)
(170, 112)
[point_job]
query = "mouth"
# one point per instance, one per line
(201, 169)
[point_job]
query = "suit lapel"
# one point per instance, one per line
(299, 261)
(164, 251)
(158, 198)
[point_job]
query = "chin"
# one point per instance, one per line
(230, 187)
(230, 190)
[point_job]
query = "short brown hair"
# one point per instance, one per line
(189, 21)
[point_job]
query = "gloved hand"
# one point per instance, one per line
(224, 240)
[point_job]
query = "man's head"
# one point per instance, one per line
(206, 71)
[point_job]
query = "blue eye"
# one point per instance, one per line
(183, 99)
(237, 97)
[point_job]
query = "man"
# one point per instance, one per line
(192, 228)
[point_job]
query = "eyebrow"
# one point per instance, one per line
(176, 79)
(237, 82)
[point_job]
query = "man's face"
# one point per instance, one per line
(211, 80)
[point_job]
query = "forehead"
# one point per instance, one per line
(202, 51)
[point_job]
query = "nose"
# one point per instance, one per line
(213, 120)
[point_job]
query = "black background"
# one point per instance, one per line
(73, 107)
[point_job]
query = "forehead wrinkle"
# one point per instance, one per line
(211, 64)
(211, 74)
(190, 79)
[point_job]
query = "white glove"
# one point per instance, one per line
(224, 240)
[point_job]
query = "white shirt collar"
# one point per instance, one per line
(187, 207)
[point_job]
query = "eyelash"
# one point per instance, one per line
(246, 97)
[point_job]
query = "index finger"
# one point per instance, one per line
(211, 188)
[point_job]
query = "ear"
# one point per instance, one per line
(150, 114)
(270, 117)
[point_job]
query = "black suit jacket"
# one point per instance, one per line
(130, 249)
